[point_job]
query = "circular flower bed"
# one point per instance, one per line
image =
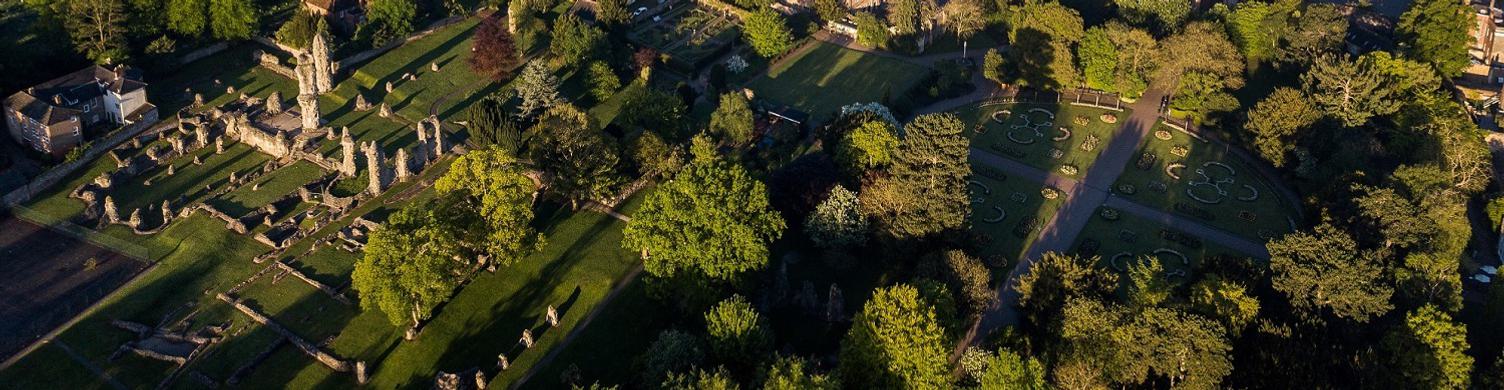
(1163, 135)
(1080, 121)
(1049, 193)
(1069, 169)
(1109, 214)
(1109, 118)
(1127, 189)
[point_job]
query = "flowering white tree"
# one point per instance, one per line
(837, 221)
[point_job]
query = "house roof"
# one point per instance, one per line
(39, 110)
(52, 101)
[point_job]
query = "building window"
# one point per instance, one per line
(88, 106)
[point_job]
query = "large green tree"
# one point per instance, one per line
(1226, 301)
(1200, 65)
(1168, 13)
(491, 185)
(1099, 59)
(732, 119)
(924, 192)
(1277, 121)
(895, 342)
(1318, 30)
(537, 88)
(409, 265)
(1055, 278)
(232, 19)
(97, 28)
(1256, 26)
(793, 373)
(739, 336)
(1136, 52)
(1323, 272)
(1429, 351)
(870, 31)
(188, 17)
(1129, 347)
(581, 162)
(1351, 91)
(575, 41)
(868, 146)
(1043, 34)
(767, 33)
(390, 20)
(612, 12)
(1437, 32)
(1008, 370)
(712, 219)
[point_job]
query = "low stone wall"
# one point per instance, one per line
(329, 360)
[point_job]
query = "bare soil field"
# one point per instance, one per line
(47, 277)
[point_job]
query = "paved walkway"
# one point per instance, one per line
(1084, 196)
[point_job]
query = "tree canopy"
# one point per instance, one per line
(925, 190)
(767, 33)
(895, 342)
(712, 219)
(1322, 272)
(1437, 32)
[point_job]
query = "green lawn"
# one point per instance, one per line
(1020, 201)
(573, 273)
(1033, 128)
(449, 47)
(1142, 237)
(1266, 215)
(284, 181)
(827, 77)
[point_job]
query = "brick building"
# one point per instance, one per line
(53, 117)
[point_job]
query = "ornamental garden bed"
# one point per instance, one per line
(1119, 239)
(1203, 180)
(1059, 138)
(1010, 211)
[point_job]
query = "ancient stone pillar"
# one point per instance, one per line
(389, 87)
(527, 338)
(166, 211)
(111, 214)
(202, 134)
(347, 145)
(219, 145)
(373, 168)
(438, 143)
(552, 316)
(323, 68)
(360, 102)
(135, 221)
(309, 104)
(502, 363)
(274, 103)
(361, 376)
(404, 172)
(385, 111)
(433, 66)
(834, 310)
